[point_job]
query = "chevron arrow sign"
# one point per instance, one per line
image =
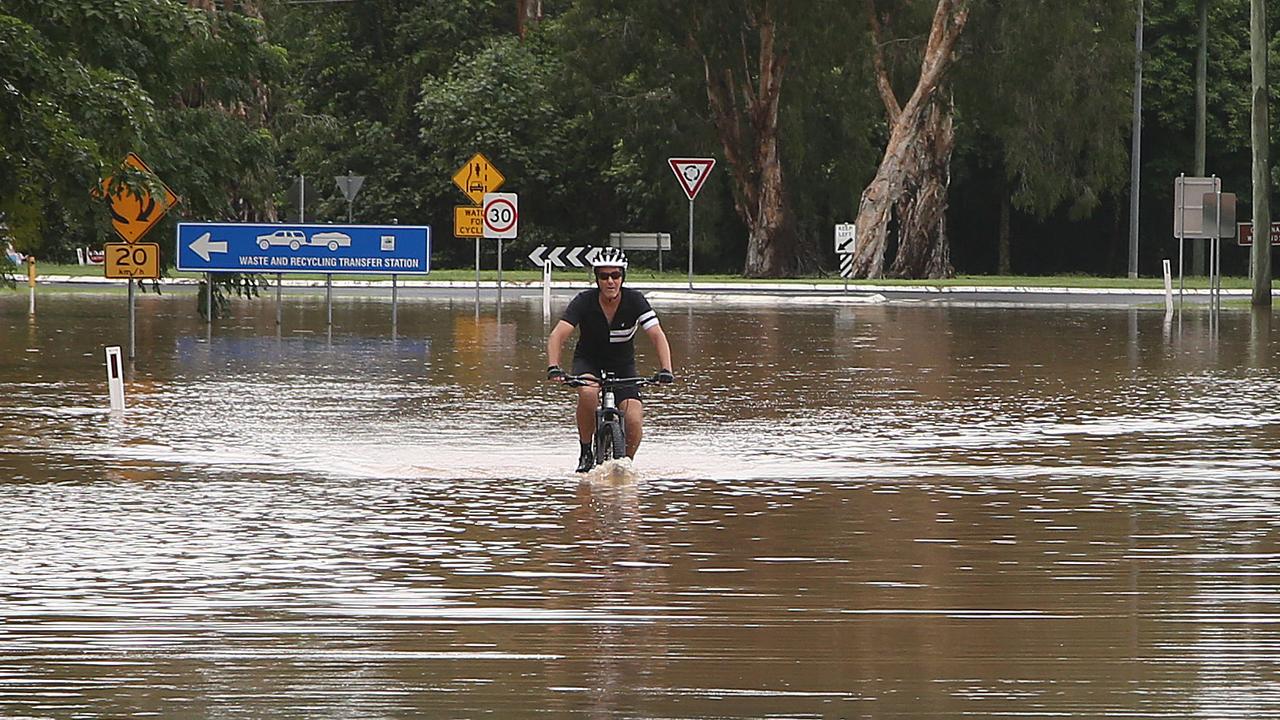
(535, 257)
(560, 256)
(581, 256)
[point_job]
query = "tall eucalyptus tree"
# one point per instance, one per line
(910, 186)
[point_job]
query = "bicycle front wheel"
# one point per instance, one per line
(610, 442)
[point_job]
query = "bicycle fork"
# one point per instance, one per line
(607, 414)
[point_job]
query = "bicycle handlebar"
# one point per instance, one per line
(613, 382)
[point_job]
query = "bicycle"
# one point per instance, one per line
(609, 441)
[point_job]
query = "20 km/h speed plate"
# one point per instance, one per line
(345, 249)
(132, 260)
(501, 215)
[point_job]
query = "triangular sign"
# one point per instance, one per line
(692, 173)
(349, 185)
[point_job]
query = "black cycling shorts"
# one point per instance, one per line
(583, 366)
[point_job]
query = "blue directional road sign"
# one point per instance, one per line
(345, 249)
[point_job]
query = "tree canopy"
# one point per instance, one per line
(228, 102)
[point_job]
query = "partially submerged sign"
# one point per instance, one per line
(298, 248)
(1219, 209)
(1188, 205)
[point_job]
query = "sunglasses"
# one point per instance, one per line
(615, 275)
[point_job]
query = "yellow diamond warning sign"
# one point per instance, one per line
(132, 216)
(476, 178)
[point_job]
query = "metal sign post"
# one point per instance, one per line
(501, 221)
(690, 243)
(1188, 215)
(31, 283)
(1219, 219)
(132, 354)
(692, 174)
(546, 293)
(349, 185)
(475, 179)
(328, 249)
(846, 242)
(133, 216)
(208, 299)
(1216, 281)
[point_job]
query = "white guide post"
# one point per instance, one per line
(546, 291)
(115, 379)
(1168, 288)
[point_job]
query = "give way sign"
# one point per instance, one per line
(501, 215)
(692, 173)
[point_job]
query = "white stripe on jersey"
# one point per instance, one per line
(623, 335)
(647, 320)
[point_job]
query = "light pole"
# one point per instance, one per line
(1135, 153)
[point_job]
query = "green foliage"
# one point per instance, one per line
(84, 83)
(507, 102)
(1050, 84)
(582, 113)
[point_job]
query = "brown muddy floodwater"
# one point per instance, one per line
(901, 510)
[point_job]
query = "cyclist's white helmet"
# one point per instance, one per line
(609, 257)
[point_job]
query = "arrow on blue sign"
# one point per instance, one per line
(203, 246)
(346, 249)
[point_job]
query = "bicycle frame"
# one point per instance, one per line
(609, 441)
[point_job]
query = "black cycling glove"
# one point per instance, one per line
(554, 372)
(665, 376)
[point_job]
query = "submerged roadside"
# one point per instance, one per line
(1018, 290)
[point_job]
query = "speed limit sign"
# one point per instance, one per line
(132, 260)
(501, 215)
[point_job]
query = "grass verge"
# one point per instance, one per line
(522, 275)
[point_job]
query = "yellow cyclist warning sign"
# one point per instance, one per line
(477, 177)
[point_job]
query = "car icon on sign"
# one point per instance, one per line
(332, 240)
(293, 238)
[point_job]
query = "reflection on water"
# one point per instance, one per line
(870, 511)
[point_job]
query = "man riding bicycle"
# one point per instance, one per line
(607, 318)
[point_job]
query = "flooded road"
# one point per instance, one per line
(901, 510)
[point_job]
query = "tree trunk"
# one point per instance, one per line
(528, 13)
(746, 119)
(914, 174)
(1004, 265)
(771, 237)
(923, 250)
(1260, 255)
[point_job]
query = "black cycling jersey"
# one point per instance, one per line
(605, 345)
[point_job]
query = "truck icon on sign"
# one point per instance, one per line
(295, 239)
